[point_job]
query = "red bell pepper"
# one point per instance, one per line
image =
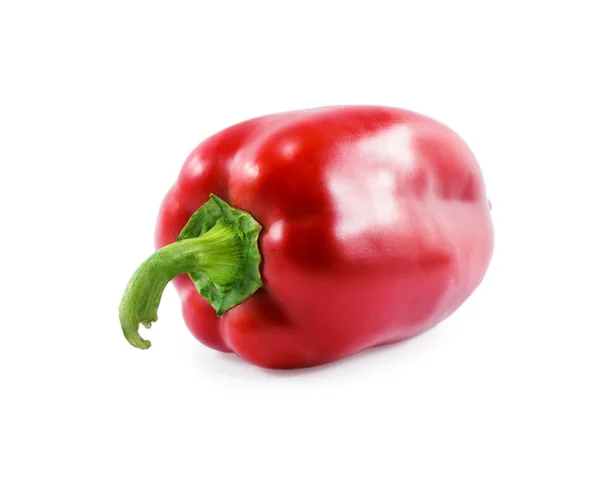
(299, 238)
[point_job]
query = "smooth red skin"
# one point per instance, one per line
(376, 227)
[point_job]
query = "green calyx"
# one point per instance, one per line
(218, 249)
(230, 272)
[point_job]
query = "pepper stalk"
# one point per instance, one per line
(218, 249)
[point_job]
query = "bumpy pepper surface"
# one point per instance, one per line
(334, 230)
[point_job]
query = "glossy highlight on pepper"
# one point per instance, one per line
(299, 238)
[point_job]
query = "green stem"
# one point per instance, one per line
(222, 261)
(144, 292)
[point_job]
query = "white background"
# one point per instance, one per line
(100, 104)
